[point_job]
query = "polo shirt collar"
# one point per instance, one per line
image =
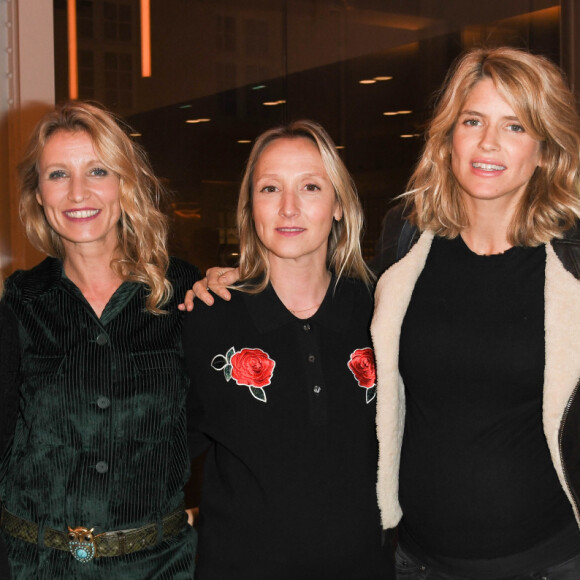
(268, 313)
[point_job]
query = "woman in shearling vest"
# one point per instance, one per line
(476, 332)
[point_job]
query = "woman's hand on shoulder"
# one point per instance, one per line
(217, 280)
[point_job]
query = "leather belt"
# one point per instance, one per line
(85, 546)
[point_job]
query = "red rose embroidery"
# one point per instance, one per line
(252, 367)
(362, 366)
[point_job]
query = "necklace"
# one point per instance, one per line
(304, 309)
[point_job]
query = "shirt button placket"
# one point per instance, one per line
(308, 339)
(103, 402)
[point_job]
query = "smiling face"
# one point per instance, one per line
(79, 195)
(293, 202)
(493, 158)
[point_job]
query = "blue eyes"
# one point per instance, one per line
(62, 174)
(513, 127)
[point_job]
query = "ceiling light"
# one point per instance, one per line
(367, 82)
(383, 78)
(273, 103)
(244, 141)
(192, 121)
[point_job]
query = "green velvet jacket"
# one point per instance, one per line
(100, 439)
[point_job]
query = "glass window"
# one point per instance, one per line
(224, 71)
(225, 33)
(85, 18)
(117, 20)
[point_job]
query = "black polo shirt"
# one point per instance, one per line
(289, 479)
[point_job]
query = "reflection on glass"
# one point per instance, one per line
(224, 71)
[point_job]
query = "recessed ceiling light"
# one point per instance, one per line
(135, 134)
(367, 82)
(273, 103)
(193, 121)
(244, 141)
(383, 78)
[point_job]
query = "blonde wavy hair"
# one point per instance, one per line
(536, 90)
(142, 233)
(344, 256)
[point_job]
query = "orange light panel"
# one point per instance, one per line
(145, 38)
(73, 68)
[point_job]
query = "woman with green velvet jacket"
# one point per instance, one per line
(92, 483)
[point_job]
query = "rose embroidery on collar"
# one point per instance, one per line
(251, 367)
(362, 366)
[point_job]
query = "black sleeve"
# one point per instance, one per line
(4, 566)
(386, 247)
(9, 375)
(197, 441)
(9, 396)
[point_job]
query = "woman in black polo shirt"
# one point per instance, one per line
(283, 377)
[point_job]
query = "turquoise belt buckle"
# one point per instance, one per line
(81, 544)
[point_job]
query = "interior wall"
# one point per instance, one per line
(27, 64)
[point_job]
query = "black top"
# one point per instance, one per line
(100, 439)
(476, 476)
(9, 365)
(289, 481)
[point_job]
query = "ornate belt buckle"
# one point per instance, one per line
(81, 544)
